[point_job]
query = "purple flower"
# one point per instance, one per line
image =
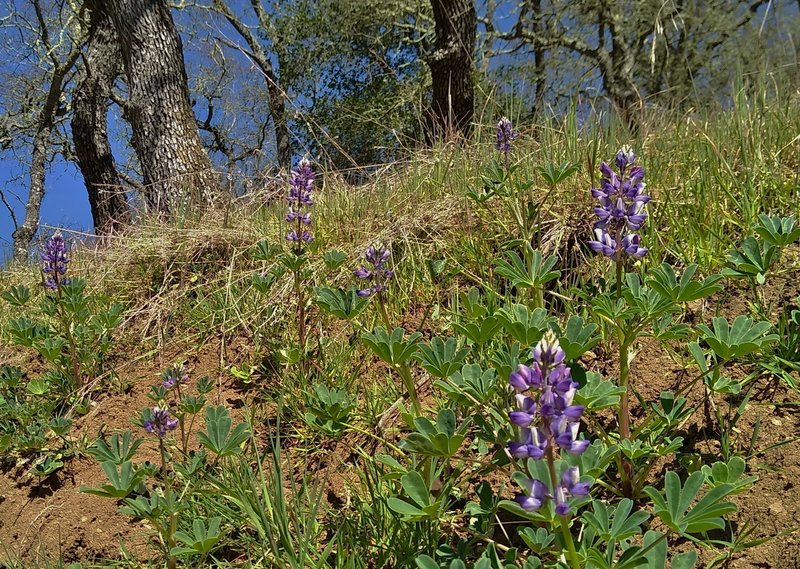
(621, 207)
(174, 376)
(505, 136)
(160, 422)
(54, 260)
(624, 158)
(570, 486)
(526, 412)
(534, 497)
(378, 275)
(300, 198)
(532, 445)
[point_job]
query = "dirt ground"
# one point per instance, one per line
(52, 518)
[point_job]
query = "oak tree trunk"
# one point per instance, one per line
(102, 65)
(175, 166)
(451, 67)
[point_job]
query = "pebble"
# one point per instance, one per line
(776, 508)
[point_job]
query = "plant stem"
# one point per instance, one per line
(624, 407)
(383, 312)
(572, 555)
(625, 416)
(73, 351)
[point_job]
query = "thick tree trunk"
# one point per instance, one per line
(451, 67)
(175, 166)
(102, 65)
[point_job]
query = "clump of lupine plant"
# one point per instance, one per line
(301, 199)
(392, 347)
(173, 380)
(160, 494)
(621, 211)
(546, 421)
(74, 333)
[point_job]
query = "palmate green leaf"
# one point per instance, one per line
(479, 332)
(219, 438)
(525, 326)
(202, 540)
(730, 472)
(472, 304)
(346, 304)
(265, 251)
(440, 439)
(25, 331)
(578, 337)
(553, 174)
(472, 383)
(664, 281)
(776, 230)
(441, 358)
(505, 359)
(334, 258)
(17, 295)
(739, 339)
(753, 259)
(533, 274)
(598, 393)
(673, 508)
(123, 481)
(394, 348)
(617, 523)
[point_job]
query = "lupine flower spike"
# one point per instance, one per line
(54, 261)
(505, 136)
(546, 420)
(378, 275)
(174, 377)
(621, 210)
(300, 198)
(160, 422)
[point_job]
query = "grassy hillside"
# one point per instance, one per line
(359, 447)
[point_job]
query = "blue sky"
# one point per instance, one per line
(65, 201)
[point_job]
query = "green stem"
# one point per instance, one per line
(73, 351)
(624, 411)
(383, 312)
(572, 555)
(408, 381)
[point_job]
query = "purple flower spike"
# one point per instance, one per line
(174, 376)
(54, 261)
(379, 275)
(621, 207)
(160, 422)
(547, 423)
(505, 135)
(300, 198)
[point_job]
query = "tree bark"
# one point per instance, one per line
(451, 67)
(175, 166)
(102, 65)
